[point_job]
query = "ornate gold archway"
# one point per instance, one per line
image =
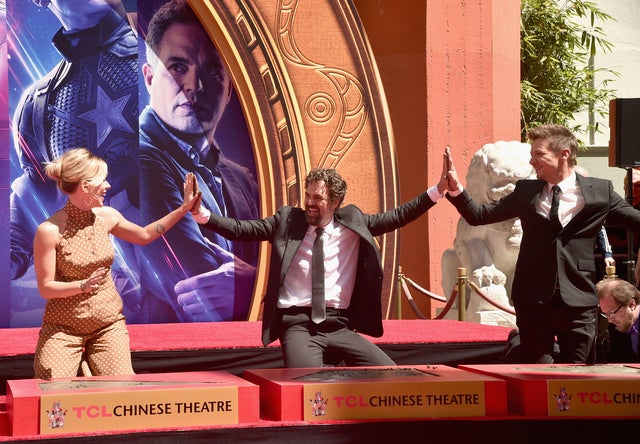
(307, 80)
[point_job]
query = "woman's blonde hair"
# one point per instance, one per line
(75, 166)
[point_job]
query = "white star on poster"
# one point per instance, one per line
(107, 115)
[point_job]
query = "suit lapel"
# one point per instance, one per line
(587, 189)
(297, 228)
(588, 193)
(536, 188)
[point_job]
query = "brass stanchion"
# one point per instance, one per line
(462, 294)
(399, 294)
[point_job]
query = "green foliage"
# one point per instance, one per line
(557, 80)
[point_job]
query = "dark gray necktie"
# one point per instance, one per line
(555, 202)
(318, 313)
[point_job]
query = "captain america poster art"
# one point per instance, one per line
(73, 83)
(75, 76)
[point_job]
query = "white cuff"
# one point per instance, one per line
(203, 216)
(456, 192)
(434, 194)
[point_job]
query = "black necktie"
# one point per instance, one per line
(318, 313)
(555, 202)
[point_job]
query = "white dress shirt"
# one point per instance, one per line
(571, 200)
(341, 249)
(341, 246)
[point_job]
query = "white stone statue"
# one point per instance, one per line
(489, 252)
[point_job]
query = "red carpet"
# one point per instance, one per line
(230, 335)
(236, 346)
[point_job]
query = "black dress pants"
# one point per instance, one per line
(306, 344)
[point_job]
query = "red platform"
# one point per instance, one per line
(111, 403)
(328, 394)
(570, 390)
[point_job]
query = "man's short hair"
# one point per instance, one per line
(174, 11)
(622, 291)
(335, 183)
(560, 136)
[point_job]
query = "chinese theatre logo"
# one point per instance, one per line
(563, 400)
(56, 416)
(318, 405)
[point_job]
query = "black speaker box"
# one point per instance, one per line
(624, 123)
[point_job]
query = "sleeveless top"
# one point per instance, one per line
(84, 246)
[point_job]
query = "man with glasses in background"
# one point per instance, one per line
(619, 303)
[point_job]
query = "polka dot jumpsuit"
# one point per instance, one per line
(92, 320)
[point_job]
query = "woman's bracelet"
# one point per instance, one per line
(82, 286)
(203, 216)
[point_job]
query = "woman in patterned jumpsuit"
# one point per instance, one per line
(72, 259)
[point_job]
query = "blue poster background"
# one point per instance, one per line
(32, 56)
(4, 169)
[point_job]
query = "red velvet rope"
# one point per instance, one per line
(486, 298)
(450, 301)
(413, 305)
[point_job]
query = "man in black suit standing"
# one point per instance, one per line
(561, 213)
(351, 282)
(620, 305)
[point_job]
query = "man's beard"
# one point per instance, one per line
(312, 220)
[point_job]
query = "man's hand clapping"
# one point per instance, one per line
(453, 183)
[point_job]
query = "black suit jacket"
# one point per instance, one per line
(547, 255)
(285, 231)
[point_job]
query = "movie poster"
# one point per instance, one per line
(77, 84)
(4, 168)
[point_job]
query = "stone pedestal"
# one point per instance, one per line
(328, 394)
(569, 390)
(102, 403)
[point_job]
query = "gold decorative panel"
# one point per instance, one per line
(308, 84)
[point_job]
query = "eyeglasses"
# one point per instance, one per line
(611, 313)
